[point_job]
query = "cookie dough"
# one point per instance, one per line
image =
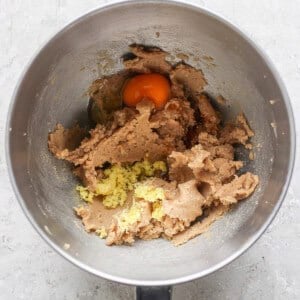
(148, 173)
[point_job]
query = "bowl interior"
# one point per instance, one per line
(53, 90)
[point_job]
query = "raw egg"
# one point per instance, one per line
(154, 87)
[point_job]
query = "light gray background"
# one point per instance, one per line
(29, 269)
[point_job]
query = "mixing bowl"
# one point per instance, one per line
(53, 89)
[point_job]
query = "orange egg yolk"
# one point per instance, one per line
(154, 87)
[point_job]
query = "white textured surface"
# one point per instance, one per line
(29, 269)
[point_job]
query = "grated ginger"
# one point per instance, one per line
(129, 216)
(157, 210)
(85, 194)
(102, 233)
(148, 192)
(119, 181)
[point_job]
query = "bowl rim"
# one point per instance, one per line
(200, 9)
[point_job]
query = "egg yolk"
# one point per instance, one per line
(154, 87)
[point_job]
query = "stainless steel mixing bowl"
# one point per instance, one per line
(53, 89)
